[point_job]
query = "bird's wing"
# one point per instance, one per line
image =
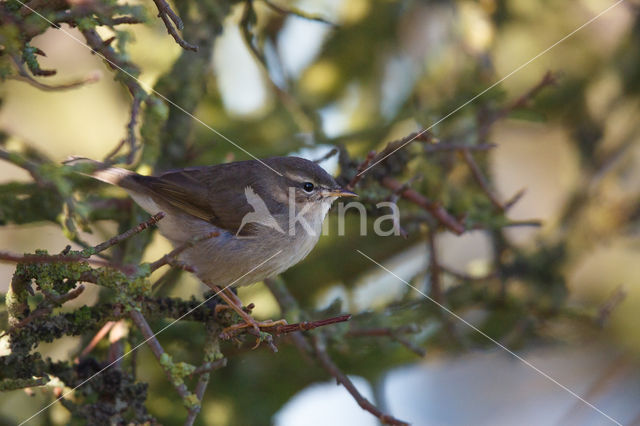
(212, 194)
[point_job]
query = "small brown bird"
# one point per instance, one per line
(268, 218)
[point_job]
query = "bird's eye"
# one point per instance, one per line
(308, 186)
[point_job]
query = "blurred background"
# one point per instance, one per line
(563, 295)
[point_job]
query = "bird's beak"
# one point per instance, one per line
(339, 192)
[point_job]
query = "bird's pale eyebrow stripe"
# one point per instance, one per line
(297, 178)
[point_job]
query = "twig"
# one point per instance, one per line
(434, 209)
(328, 155)
(615, 372)
(445, 147)
(53, 258)
(98, 336)
(209, 367)
(304, 326)
(436, 287)
(37, 313)
(480, 179)
(170, 18)
(158, 352)
(213, 361)
(297, 12)
(127, 234)
(393, 334)
(394, 146)
(23, 163)
(23, 75)
(363, 166)
(61, 299)
(434, 269)
(288, 303)
(513, 200)
(116, 343)
(535, 223)
(607, 308)
(131, 132)
(327, 363)
(548, 79)
(298, 113)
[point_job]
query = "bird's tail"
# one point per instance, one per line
(101, 171)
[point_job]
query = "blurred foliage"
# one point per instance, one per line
(387, 69)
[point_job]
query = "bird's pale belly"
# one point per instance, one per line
(228, 259)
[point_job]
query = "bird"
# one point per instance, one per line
(267, 214)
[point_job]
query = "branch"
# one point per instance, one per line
(548, 79)
(434, 209)
(173, 23)
(160, 354)
(605, 311)
(480, 179)
(361, 168)
(127, 234)
(393, 334)
(304, 326)
(131, 132)
(329, 366)
(24, 76)
(288, 303)
(297, 12)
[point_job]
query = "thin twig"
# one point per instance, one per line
(480, 179)
(434, 269)
(98, 336)
(328, 155)
(56, 258)
(24, 76)
(127, 234)
(173, 23)
(393, 334)
(151, 340)
(209, 367)
(446, 147)
(289, 10)
(363, 166)
(607, 308)
(61, 299)
(548, 79)
(434, 209)
(330, 367)
(513, 200)
(304, 326)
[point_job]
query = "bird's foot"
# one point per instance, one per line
(250, 324)
(255, 328)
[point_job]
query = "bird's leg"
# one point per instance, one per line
(249, 322)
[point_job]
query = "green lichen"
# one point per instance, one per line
(12, 384)
(177, 370)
